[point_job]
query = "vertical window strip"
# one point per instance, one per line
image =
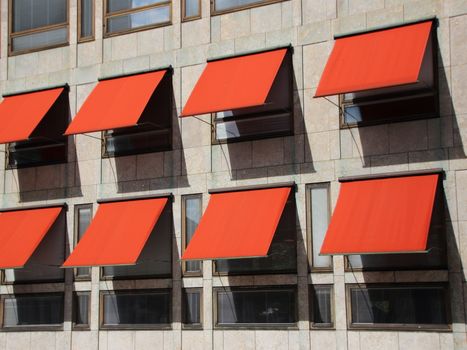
(83, 217)
(85, 20)
(192, 209)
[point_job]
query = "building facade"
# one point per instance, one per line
(266, 121)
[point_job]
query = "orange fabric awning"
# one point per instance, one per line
(375, 60)
(21, 231)
(233, 83)
(390, 215)
(117, 234)
(115, 103)
(238, 224)
(21, 114)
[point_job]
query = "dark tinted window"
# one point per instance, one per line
(321, 305)
(192, 307)
(136, 308)
(33, 310)
(256, 307)
(81, 308)
(398, 305)
(83, 217)
(193, 209)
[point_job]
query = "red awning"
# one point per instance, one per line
(21, 114)
(115, 103)
(375, 60)
(390, 215)
(238, 224)
(117, 234)
(233, 83)
(21, 231)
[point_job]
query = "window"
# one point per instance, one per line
(251, 306)
(83, 217)
(398, 306)
(124, 16)
(192, 307)
(135, 309)
(321, 305)
(223, 6)
(46, 145)
(435, 258)
(155, 259)
(273, 119)
(81, 310)
(191, 9)
(38, 24)
(85, 20)
(153, 133)
(45, 263)
(192, 209)
(400, 103)
(282, 255)
(32, 310)
(318, 216)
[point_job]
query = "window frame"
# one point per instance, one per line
(397, 326)
(12, 35)
(196, 326)
(190, 18)
(309, 226)
(107, 15)
(76, 326)
(260, 3)
(30, 328)
(406, 95)
(186, 273)
(165, 326)
(255, 326)
(324, 326)
(76, 209)
(85, 39)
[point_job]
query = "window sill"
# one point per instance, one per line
(42, 328)
(401, 328)
(152, 26)
(24, 52)
(136, 327)
(247, 7)
(256, 326)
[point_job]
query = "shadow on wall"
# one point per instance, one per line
(279, 156)
(425, 140)
(150, 171)
(54, 181)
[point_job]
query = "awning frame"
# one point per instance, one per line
(389, 175)
(168, 195)
(63, 205)
(291, 184)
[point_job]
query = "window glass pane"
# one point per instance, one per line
(156, 257)
(192, 307)
(193, 211)
(282, 256)
(224, 5)
(119, 5)
(42, 39)
(322, 305)
(81, 311)
(255, 306)
(125, 142)
(192, 8)
(45, 263)
(319, 200)
(398, 305)
(29, 310)
(138, 19)
(31, 14)
(136, 308)
(84, 217)
(86, 24)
